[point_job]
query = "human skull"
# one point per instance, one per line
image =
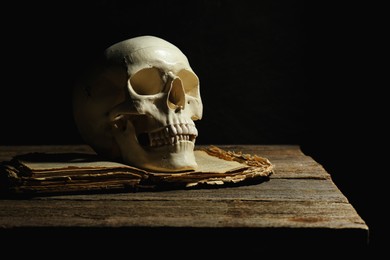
(138, 105)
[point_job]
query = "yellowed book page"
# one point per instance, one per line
(212, 164)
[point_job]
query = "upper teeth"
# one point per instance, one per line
(172, 134)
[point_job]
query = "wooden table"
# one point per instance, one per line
(299, 205)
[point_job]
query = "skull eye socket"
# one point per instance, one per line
(147, 82)
(190, 82)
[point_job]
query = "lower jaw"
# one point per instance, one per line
(177, 157)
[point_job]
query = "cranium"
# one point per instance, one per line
(138, 105)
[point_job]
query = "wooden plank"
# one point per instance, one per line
(195, 213)
(179, 212)
(300, 199)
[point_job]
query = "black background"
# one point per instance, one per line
(271, 72)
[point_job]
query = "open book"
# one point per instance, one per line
(38, 174)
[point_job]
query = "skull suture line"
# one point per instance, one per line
(138, 106)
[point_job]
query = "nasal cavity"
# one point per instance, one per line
(176, 96)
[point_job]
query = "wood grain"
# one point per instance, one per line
(299, 197)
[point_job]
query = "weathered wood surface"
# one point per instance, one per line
(300, 196)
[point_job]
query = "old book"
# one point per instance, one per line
(39, 174)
